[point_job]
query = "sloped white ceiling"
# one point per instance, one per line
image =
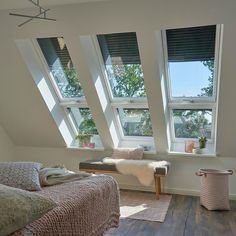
(13, 4)
(23, 113)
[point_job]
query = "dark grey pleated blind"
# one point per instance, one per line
(51, 50)
(191, 44)
(120, 48)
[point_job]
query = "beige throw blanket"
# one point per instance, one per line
(143, 169)
(51, 176)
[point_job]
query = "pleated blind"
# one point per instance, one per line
(191, 44)
(53, 50)
(120, 48)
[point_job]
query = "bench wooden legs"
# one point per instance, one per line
(157, 179)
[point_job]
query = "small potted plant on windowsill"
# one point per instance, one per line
(85, 140)
(202, 143)
(87, 130)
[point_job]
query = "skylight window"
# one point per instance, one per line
(84, 125)
(123, 66)
(192, 56)
(192, 123)
(82, 120)
(65, 81)
(124, 79)
(61, 66)
(135, 122)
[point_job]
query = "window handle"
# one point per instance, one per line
(188, 100)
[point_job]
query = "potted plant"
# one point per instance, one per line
(84, 139)
(202, 142)
(87, 129)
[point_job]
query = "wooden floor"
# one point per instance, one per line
(185, 217)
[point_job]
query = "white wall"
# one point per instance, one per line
(181, 178)
(6, 146)
(24, 114)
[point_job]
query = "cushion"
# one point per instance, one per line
(19, 208)
(24, 175)
(97, 165)
(131, 153)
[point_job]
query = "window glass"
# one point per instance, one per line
(135, 121)
(192, 123)
(61, 66)
(121, 59)
(192, 79)
(82, 119)
(191, 56)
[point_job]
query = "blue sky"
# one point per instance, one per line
(187, 78)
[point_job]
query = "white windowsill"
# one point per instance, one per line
(102, 149)
(185, 154)
(86, 149)
(150, 152)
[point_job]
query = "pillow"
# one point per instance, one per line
(19, 208)
(131, 153)
(24, 175)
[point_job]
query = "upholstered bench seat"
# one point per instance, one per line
(97, 166)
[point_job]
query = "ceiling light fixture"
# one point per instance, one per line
(42, 15)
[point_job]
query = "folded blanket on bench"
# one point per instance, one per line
(142, 169)
(51, 176)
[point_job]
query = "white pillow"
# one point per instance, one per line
(128, 153)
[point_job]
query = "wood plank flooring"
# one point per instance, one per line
(185, 217)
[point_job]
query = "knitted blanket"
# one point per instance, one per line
(87, 207)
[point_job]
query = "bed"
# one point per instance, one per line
(88, 207)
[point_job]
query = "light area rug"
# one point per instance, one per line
(143, 206)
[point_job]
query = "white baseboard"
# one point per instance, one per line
(188, 192)
(138, 188)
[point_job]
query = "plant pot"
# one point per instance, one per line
(89, 145)
(84, 139)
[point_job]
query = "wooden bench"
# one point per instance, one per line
(97, 166)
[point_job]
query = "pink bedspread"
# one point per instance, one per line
(87, 207)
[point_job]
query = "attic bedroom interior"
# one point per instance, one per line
(117, 118)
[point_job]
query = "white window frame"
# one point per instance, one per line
(216, 69)
(193, 102)
(51, 77)
(120, 128)
(181, 140)
(65, 107)
(78, 102)
(70, 120)
(106, 79)
(120, 102)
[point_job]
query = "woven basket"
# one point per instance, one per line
(214, 191)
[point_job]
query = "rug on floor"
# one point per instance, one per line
(143, 206)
